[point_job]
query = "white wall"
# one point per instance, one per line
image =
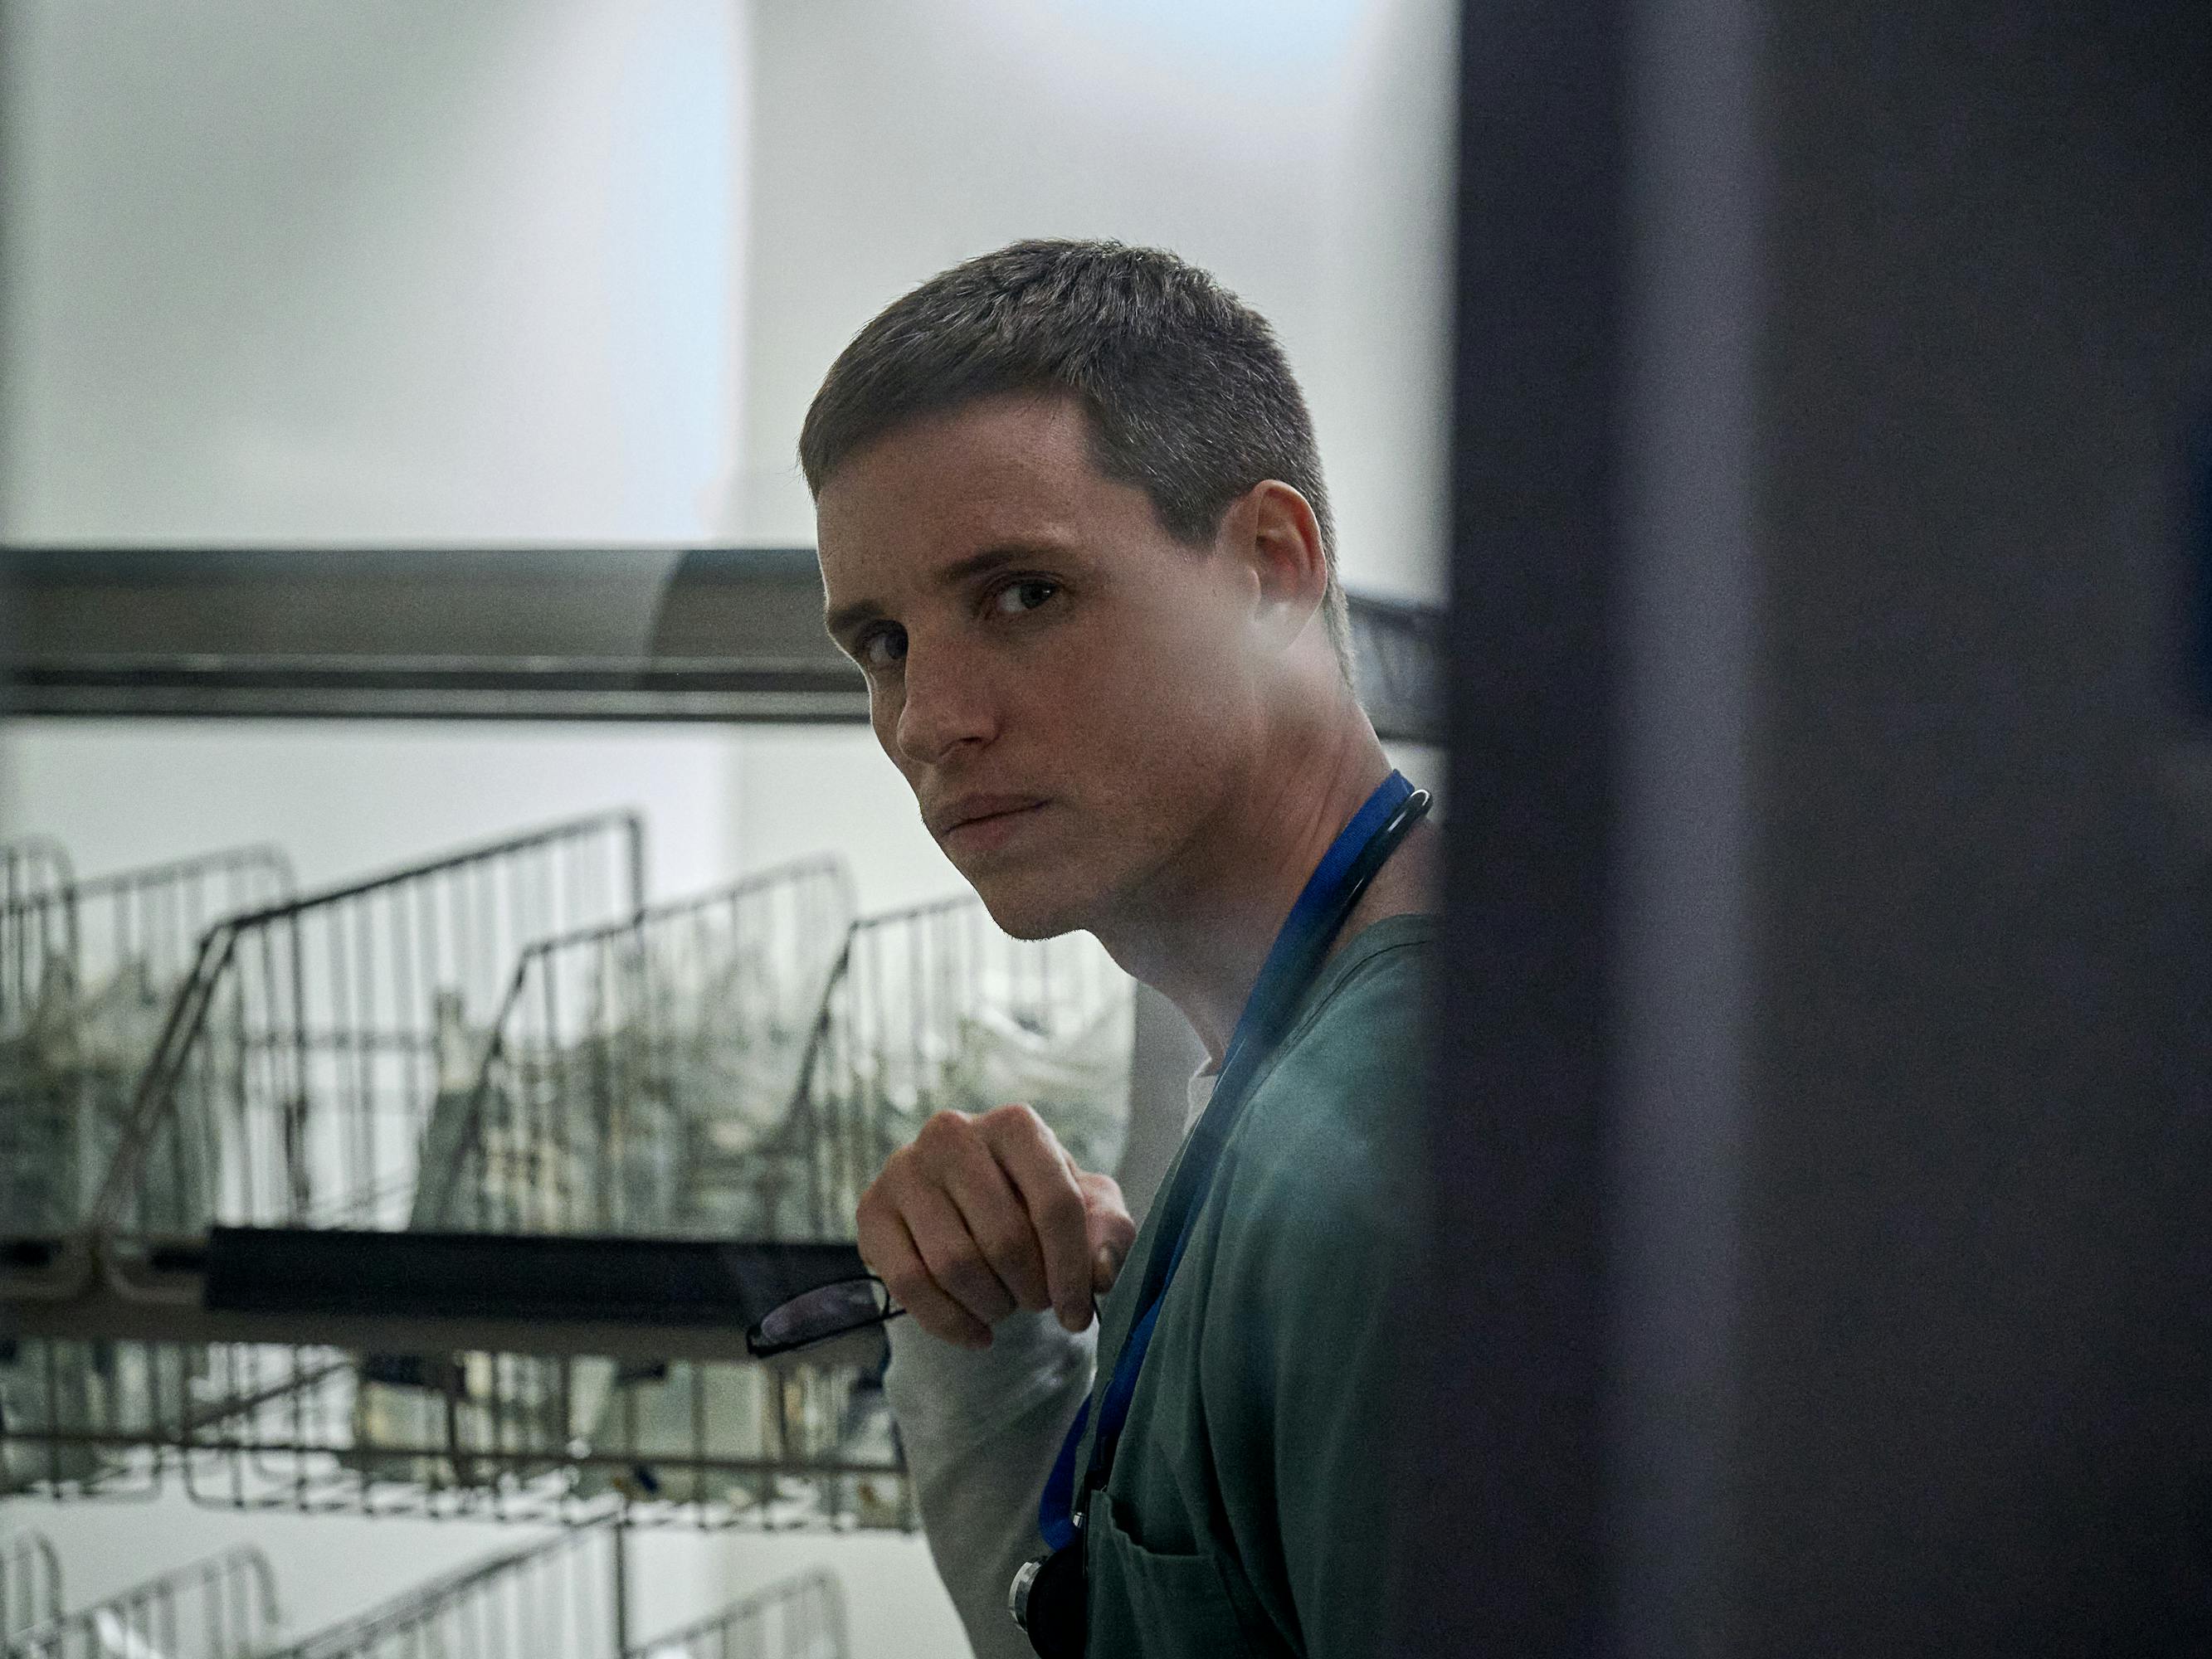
(1299, 148)
(398, 272)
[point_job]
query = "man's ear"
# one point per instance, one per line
(1275, 534)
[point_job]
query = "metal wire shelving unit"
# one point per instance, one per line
(89, 970)
(569, 1596)
(434, 1201)
(289, 1082)
(30, 1584)
(222, 1608)
(933, 1009)
(800, 1617)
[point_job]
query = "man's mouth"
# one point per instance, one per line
(980, 824)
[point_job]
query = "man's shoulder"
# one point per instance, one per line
(1337, 1123)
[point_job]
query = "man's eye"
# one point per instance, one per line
(883, 648)
(1015, 598)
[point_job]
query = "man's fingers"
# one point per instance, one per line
(1111, 1228)
(996, 1219)
(955, 1261)
(1044, 1177)
(889, 1251)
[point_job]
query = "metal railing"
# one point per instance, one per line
(223, 1608)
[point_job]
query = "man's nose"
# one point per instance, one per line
(946, 704)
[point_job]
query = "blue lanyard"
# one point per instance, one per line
(1326, 900)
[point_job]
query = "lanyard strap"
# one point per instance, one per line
(1328, 897)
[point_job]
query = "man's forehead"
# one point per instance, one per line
(1002, 471)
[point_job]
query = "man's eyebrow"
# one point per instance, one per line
(958, 572)
(995, 557)
(847, 617)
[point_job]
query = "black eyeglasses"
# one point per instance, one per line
(816, 1315)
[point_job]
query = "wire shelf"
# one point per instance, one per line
(554, 1599)
(287, 1079)
(730, 1070)
(30, 1584)
(567, 1597)
(88, 970)
(935, 1009)
(304, 1058)
(634, 1072)
(800, 1617)
(223, 1608)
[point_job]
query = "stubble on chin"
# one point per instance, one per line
(1027, 908)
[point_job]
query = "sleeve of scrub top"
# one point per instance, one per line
(981, 1430)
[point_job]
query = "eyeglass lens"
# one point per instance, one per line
(829, 1310)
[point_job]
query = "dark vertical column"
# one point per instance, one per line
(1504, 1510)
(1975, 1325)
(1685, 974)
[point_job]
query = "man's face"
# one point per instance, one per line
(1060, 680)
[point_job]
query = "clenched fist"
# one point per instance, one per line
(982, 1214)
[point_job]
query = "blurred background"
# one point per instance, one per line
(474, 290)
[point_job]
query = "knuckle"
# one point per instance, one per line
(1007, 1244)
(941, 1129)
(1020, 1118)
(972, 1283)
(1060, 1211)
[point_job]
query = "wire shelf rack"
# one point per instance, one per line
(567, 1597)
(306, 1055)
(30, 1584)
(222, 1608)
(636, 1071)
(558, 1598)
(631, 1080)
(721, 1074)
(288, 1079)
(935, 1009)
(89, 970)
(800, 1617)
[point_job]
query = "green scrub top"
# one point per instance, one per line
(1248, 1510)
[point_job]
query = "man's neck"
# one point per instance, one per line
(1199, 938)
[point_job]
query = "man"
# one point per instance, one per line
(1073, 530)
